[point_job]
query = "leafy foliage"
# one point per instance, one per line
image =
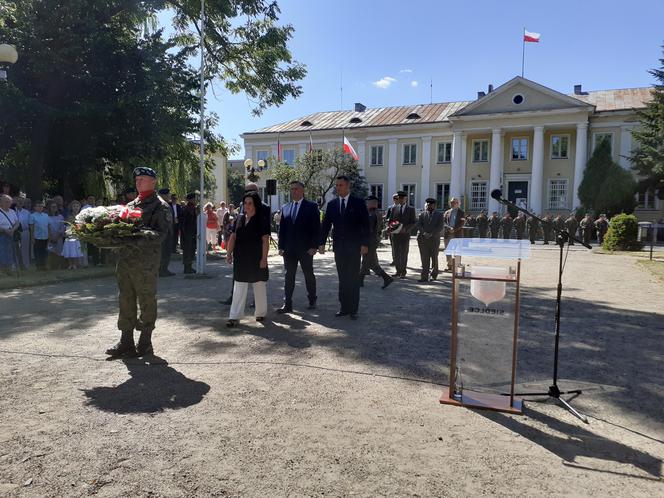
(235, 187)
(648, 156)
(606, 187)
(622, 234)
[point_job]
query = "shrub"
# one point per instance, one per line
(622, 234)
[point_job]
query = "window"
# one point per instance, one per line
(519, 149)
(409, 154)
(478, 196)
(518, 99)
(558, 194)
(262, 155)
(442, 195)
(559, 146)
(376, 155)
(444, 152)
(409, 188)
(646, 200)
(480, 151)
(377, 190)
(288, 156)
(600, 137)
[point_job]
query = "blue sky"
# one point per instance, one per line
(460, 46)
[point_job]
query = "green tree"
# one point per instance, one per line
(235, 187)
(648, 156)
(606, 187)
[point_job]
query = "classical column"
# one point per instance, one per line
(580, 159)
(536, 177)
(391, 167)
(496, 173)
(362, 153)
(625, 147)
(426, 168)
(464, 177)
(455, 179)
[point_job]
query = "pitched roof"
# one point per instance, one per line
(603, 100)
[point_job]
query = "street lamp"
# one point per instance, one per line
(8, 55)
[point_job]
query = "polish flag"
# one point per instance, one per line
(531, 37)
(348, 149)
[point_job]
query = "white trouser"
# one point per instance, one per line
(211, 236)
(240, 298)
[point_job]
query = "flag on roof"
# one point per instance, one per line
(348, 149)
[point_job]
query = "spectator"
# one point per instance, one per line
(71, 248)
(9, 225)
(212, 226)
(221, 212)
(56, 233)
(24, 242)
(39, 234)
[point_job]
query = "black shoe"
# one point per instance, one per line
(387, 281)
(353, 316)
(189, 271)
(231, 323)
(340, 313)
(260, 318)
(285, 309)
(434, 276)
(422, 280)
(144, 349)
(122, 349)
(403, 275)
(166, 273)
(312, 305)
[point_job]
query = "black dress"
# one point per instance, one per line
(248, 249)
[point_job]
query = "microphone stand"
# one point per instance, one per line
(562, 238)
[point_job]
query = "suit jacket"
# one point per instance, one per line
(350, 229)
(407, 218)
(457, 229)
(375, 228)
(430, 225)
(303, 233)
(175, 213)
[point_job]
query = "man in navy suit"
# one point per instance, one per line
(350, 241)
(299, 233)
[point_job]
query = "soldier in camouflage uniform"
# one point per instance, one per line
(533, 228)
(138, 268)
(494, 225)
(547, 228)
(520, 225)
(506, 226)
(571, 224)
(587, 225)
(602, 226)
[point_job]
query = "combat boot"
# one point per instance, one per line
(144, 346)
(125, 347)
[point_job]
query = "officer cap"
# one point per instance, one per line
(401, 193)
(144, 171)
(191, 196)
(372, 198)
(164, 191)
(430, 200)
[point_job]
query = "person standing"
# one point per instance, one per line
(533, 226)
(176, 210)
(430, 225)
(39, 234)
(137, 270)
(370, 259)
(602, 226)
(453, 226)
(482, 224)
(71, 248)
(520, 225)
(221, 213)
(494, 225)
(212, 227)
(247, 251)
(166, 244)
(506, 226)
(23, 214)
(571, 224)
(559, 225)
(349, 217)
(547, 228)
(406, 215)
(56, 236)
(299, 232)
(587, 225)
(9, 225)
(388, 217)
(188, 231)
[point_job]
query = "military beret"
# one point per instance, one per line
(401, 193)
(164, 191)
(430, 200)
(372, 198)
(143, 171)
(191, 196)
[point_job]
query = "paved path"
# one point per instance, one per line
(310, 404)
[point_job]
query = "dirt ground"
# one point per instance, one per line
(312, 405)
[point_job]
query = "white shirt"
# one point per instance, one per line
(7, 219)
(24, 217)
(345, 203)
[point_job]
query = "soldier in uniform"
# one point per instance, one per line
(168, 241)
(188, 231)
(469, 227)
(533, 228)
(391, 211)
(453, 229)
(547, 228)
(370, 259)
(571, 224)
(482, 223)
(520, 225)
(137, 270)
(406, 215)
(506, 226)
(587, 225)
(602, 226)
(494, 225)
(430, 225)
(559, 223)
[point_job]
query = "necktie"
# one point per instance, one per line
(343, 206)
(401, 209)
(295, 204)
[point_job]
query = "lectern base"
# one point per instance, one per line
(484, 401)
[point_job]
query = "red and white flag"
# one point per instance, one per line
(348, 149)
(531, 37)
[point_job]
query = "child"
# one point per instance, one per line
(39, 234)
(71, 249)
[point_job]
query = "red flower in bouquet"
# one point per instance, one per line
(394, 227)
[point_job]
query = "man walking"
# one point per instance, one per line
(406, 215)
(349, 217)
(299, 232)
(429, 226)
(388, 217)
(453, 221)
(137, 270)
(370, 260)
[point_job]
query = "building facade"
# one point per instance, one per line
(524, 138)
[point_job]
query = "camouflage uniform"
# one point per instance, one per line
(137, 272)
(587, 226)
(602, 226)
(482, 223)
(494, 225)
(571, 224)
(547, 228)
(520, 226)
(533, 228)
(506, 226)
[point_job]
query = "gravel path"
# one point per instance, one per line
(312, 405)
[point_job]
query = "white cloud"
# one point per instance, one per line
(384, 83)
(406, 71)
(414, 83)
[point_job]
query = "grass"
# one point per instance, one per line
(656, 267)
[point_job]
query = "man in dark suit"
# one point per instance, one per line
(406, 215)
(454, 220)
(176, 210)
(166, 244)
(350, 241)
(299, 233)
(388, 216)
(430, 227)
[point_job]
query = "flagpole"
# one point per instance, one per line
(202, 245)
(523, 52)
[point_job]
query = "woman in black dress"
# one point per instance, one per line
(247, 251)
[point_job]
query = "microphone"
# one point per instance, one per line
(497, 194)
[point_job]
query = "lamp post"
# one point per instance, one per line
(8, 55)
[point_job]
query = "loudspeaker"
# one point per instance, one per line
(271, 187)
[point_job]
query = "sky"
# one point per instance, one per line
(389, 51)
